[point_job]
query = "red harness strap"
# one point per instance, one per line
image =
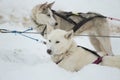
(113, 19)
(99, 59)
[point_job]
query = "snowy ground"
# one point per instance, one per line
(22, 58)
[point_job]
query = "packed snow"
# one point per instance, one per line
(22, 58)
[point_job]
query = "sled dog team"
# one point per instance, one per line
(60, 27)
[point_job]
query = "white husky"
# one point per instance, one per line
(65, 52)
(97, 26)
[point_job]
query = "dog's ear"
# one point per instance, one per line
(50, 4)
(44, 8)
(43, 5)
(69, 34)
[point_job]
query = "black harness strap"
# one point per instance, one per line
(80, 15)
(38, 24)
(59, 61)
(42, 33)
(97, 61)
(65, 17)
(90, 51)
(76, 25)
(85, 20)
(68, 14)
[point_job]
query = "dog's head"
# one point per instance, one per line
(43, 14)
(59, 41)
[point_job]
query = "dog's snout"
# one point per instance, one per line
(56, 24)
(49, 51)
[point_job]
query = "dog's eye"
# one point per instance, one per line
(57, 41)
(44, 9)
(49, 40)
(48, 15)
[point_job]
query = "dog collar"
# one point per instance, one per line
(59, 61)
(43, 31)
(99, 60)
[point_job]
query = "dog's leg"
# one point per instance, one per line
(105, 45)
(95, 42)
(101, 28)
(101, 45)
(97, 45)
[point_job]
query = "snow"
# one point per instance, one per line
(22, 58)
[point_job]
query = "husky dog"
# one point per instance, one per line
(65, 52)
(94, 24)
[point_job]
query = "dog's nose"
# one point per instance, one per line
(49, 51)
(56, 24)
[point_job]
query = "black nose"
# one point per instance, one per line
(56, 24)
(49, 51)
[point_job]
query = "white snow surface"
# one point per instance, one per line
(22, 58)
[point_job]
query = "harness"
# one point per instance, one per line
(99, 59)
(43, 31)
(80, 23)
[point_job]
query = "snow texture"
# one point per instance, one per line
(22, 58)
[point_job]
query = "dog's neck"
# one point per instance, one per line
(36, 23)
(71, 48)
(58, 58)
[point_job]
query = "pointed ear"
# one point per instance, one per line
(69, 34)
(50, 4)
(43, 5)
(43, 8)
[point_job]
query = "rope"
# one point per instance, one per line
(26, 32)
(14, 31)
(22, 33)
(29, 37)
(100, 36)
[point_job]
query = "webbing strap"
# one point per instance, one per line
(85, 20)
(65, 18)
(93, 52)
(98, 60)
